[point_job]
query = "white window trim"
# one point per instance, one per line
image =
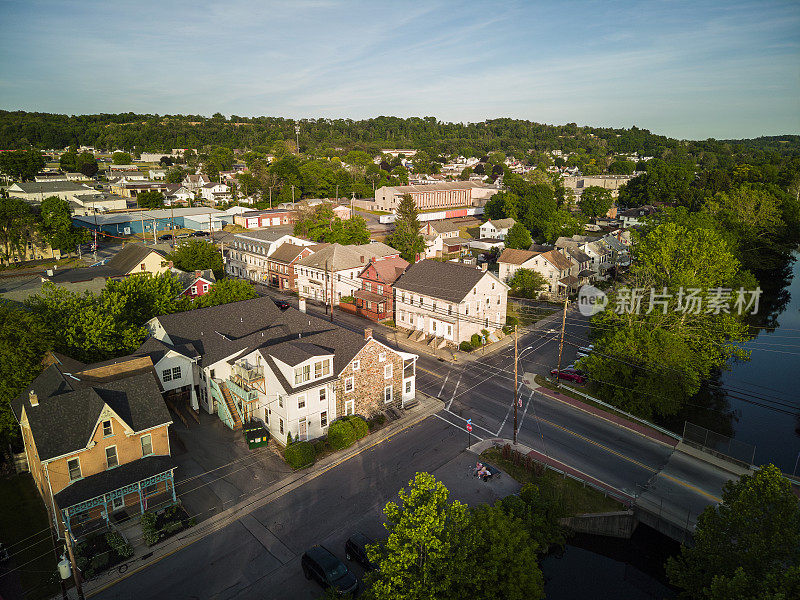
(301, 398)
(111, 426)
(382, 357)
(142, 445)
(349, 382)
(391, 394)
(388, 371)
(80, 472)
(356, 364)
(120, 500)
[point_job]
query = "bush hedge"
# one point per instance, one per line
(465, 346)
(299, 455)
(476, 340)
(360, 427)
(118, 543)
(341, 434)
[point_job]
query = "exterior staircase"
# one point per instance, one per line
(232, 408)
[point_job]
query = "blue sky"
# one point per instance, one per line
(685, 69)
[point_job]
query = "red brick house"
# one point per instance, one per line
(375, 299)
(196, 283)
(280, 269)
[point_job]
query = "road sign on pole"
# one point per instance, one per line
(469, 433)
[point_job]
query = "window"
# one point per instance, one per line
(176, 372)
(380, 289)
(147, 445)
(382, 357)
(326, 367)
(211, 373)
(323, 394)
(387, 394)
(301, 401)
(323, 418)
(348, 384)
(108, 430)
(408, 386)
(280, 425)
(280, 401)
(356, 365)
(166, 375)
(142, 267)
(302, 374)
(74, 466)
(433, 305)
(205, 287)
(387, 372)
(449, 309)
(117, 503)
(111, 457)
(317, 370)
(194, 290)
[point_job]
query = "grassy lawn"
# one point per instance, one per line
(24, 528)
(529, 315)
(576, 498)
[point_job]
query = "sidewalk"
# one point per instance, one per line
(425, 408)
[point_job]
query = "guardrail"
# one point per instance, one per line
(628, 415)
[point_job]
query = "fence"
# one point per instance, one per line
(719, 445)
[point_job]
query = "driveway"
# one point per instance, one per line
(216, 468)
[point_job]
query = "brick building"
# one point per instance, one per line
(281, 265)
(447, 194)
(96, 440)
(375, 299)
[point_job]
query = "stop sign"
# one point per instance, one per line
(469, 424)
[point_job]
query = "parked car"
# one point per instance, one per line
(569, 374)
(282, 304)
(166, 237)
(321, 564)
(355, 549)
(200, 234)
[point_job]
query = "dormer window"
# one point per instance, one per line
(108, 429)
(302, 374)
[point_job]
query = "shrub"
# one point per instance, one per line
(347, 300)
(507, 329)
(465, 346)
(360, 427)
(476, 341)
(288, 439)
(378, 420)
(118, 543)
(340, 434)
(319, 446)
(511, 320)
(299, 455)
(149, 532)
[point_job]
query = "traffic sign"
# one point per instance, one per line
(469, 424)
(519, 402)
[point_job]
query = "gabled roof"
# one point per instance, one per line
(71, 403)
(187, 279)
(502, 223)
(514, 256)
(388, 269)
(220, 332)
(578, 255)
(287, 252)
(443, 225)
(122, 263)
(337, 257)
(558, 260)
(447, 281)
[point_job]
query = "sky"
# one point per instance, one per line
(690, 70)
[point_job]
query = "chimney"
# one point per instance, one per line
(301, 304)
(34, 399)
(368, 333)
(362, 259)
(484, 266)
(198, 273)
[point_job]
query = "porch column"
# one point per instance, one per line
(141, 502)
(172, 484)
(105, 509)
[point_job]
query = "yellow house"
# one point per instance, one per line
(96, 440)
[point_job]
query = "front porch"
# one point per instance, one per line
(371, 305)
(116, 495)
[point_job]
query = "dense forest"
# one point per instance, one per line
(518, 138)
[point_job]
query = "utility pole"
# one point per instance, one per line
(324, 296)
(516, 386)
(297, 137)
(78, 586)
(55, 551)
(333, 291)
(292, 195)
(561, 342)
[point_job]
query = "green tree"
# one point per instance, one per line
(746, 547)
(518, 237)
(319, 223)
(595, 201)
(21, 164)
(121, 158)
(86, 164)
(406, 236)
(527, 283)
(23, 341)
(540, 516)
(226, 291)
(465, 174)
(175, 175)
(16, 225)
(150, 199)
(621, 166)
(424, 546)
(56, 225)
(68, 162)
(198, 255)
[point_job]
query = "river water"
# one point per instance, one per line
(764, 392)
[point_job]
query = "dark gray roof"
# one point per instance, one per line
(46, 187)
(188, 278)
(70, 404)
(81, 274)
(218, 332)
(445, 280)
(271, 234)
(286, 252)
(112, 479)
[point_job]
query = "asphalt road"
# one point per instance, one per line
(258, 556)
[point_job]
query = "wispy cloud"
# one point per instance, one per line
(723, 69)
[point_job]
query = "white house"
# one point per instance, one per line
(449, 300)
(496, 229)
(246, 255)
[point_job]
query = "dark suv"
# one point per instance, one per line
(320, 563)
(355, 548)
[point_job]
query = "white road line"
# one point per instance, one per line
(508, 412)
(455, 389)
(477, 437)
(525, 412)
(449, 412)
(444, 383)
